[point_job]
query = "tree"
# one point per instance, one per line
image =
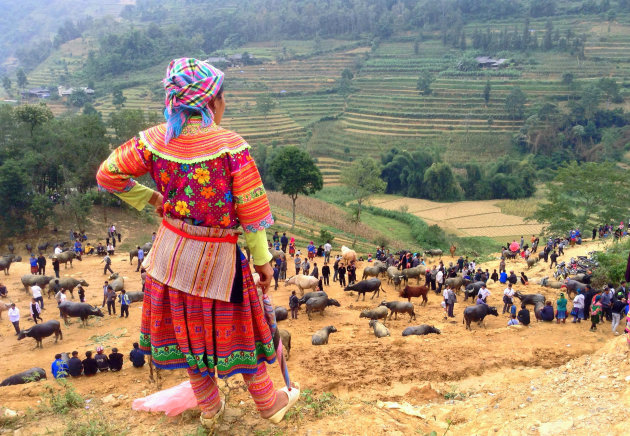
(127, 123)
(78, 98)
(14, 192)
(583, 196)
(6, 84)
(22, 81)
(34, 114)
(515, 103)
(79, 205)
(118, 99)
(424, 83)
(363, 180)
(264, 104)
(486, 92)
(296, 173)
(440, 183)
(41, 210)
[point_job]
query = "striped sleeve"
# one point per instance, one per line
(250, 197)
(116, 172)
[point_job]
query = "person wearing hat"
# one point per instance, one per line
(311, 250)
(115, 360)
(561, 307)
(102, 362)
(211, 322)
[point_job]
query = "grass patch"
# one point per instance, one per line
(64, 400)
(339, 195)
(310, 404)
(93, 426)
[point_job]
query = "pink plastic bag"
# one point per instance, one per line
(172, 401)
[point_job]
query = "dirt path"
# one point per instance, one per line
(488, 381)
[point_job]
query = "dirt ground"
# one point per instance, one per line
(542, 379)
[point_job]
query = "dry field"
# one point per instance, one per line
(464, 218)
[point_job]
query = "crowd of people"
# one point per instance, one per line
(75, 367)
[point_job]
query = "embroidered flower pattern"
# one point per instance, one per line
(208, 191)
(202, 175)
(182, 208)
(202, 191)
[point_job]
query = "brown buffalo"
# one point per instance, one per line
(415, 291)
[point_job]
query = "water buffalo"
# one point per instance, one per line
(5, 264)
(456, 282)
(29, 280)
(28, 376)
(318, 304)
(117, 282)
(370, 285)
(11, 247)
(393, 275)
(373, 271)
(135, 296)
(310, 295)
(550, 283)
(41, 331)
(397, 307)
(415, 291)
(43, 247)
(530, 298)
(380, 331)
(67, 256)
(69, 309)
(303, 282)
(285, 337)
(573, 286)
(433, 252)
(379, 313)
(472, 289)
(420, 330)
(508, 254)
(477, 313)
(416, 271)
(582, 278)
(531, 261)
(67, 283)
(320, 337)
(134, 252)
(281, 313)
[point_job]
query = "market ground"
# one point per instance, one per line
(542, 379)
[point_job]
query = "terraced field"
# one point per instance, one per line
(384, 108)
(465, 218)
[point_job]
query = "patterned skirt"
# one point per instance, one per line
(209, 336)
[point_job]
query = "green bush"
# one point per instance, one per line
(612, 264)
(65, 400)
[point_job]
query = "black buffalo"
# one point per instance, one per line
(477, 313)
(135, 296)
(310, 295)
(69, 309)
(423, 329)
(319, 304)
(532, 299)
(473, 289)
(370, 285)
(281, 313)
(41, 331)
(30, 375)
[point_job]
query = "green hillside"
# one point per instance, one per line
(381, 107)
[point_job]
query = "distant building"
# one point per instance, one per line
(488, 62)
(40, 93)
(234, 60)
(64, 92)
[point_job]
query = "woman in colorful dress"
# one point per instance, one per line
(292, 247)
(201, 309)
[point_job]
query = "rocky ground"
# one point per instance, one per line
(542, 379)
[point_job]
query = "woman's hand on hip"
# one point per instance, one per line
(266, 274)
(157, 201)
